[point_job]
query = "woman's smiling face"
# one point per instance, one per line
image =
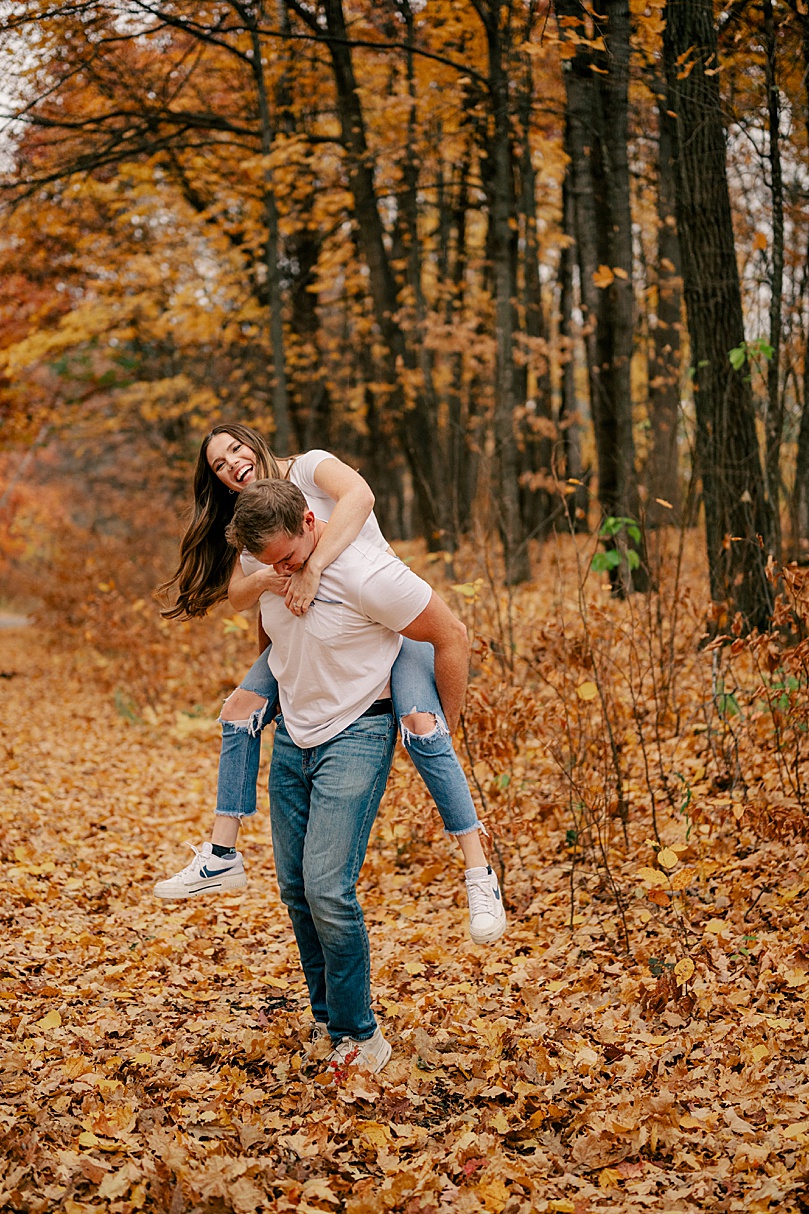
(231, 461)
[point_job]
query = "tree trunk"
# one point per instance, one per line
(577, 499)
(417, 426)
(774, 424)
(453, 206)
(310, 398)
(535, 435)
(800, 491)
(445, 534)
(502, 230)
(618, 296)
(737, 515)
(662, 473)
(282, 439)
(597, 117)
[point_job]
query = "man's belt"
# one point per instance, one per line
(379, 708)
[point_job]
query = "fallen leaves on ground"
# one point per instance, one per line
(155, 1056)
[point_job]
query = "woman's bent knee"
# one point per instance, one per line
(420, 722)
(426, 726)
(240, 706)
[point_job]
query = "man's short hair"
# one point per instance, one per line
(264, 510)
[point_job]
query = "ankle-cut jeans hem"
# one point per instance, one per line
(413, 689)
(323, 801)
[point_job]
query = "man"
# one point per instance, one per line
(334, 741)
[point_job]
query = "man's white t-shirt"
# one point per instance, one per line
(334, 661)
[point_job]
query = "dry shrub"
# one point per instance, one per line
(763, 698)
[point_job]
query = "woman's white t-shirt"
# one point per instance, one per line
(302, 474)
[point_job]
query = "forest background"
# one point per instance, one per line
(541, 275)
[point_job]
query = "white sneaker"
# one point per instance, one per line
(372, 1054)
(487, 915)
(206, 873)
(319, 1031)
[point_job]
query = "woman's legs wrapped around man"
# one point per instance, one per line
(218, 867)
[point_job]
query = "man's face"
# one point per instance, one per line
(289, 553)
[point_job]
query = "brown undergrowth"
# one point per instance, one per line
(638, 1040)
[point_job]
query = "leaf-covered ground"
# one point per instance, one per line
(155, 1056)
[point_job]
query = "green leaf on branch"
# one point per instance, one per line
(612, 527)
(761, 347)
(754, 350)
(602, 561)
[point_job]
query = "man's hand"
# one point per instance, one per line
(447, 634)
(301, 589)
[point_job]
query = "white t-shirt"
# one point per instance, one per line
(334, 661)
(302, 474)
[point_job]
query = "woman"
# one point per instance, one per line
(231, 457)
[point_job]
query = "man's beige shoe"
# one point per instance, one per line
(371, 1054)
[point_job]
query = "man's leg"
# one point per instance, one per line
(348, 777)
(290, 792)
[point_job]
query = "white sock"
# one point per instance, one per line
(474, 873)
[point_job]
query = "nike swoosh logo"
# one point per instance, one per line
(207, 872)
(497, 893)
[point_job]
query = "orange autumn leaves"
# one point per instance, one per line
(555, 1071)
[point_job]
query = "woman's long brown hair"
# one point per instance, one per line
(206, 558)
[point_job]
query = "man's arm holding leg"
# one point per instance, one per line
(447, 634)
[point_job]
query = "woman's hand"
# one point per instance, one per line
(302, 589)
(246, 589)
(277, 583)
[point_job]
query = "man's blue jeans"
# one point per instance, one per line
(323, 801)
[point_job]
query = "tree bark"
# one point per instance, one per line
(577, 496)
(502, 235)
(617, 299)
(310, 397)
(597, 116)
(417, 425)
(800, 491)
(280, 394)
(535, 434)
(774, 423)
(662, 472)
(738, 519)
(453, 205)
(445, 533)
